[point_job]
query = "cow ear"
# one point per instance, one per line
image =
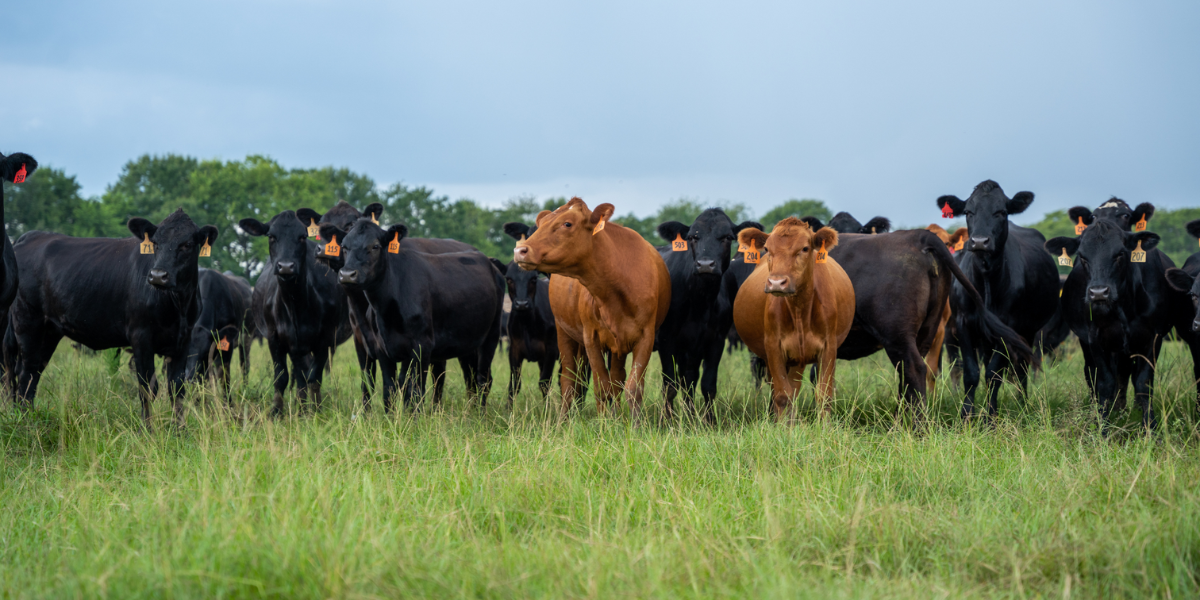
(877, 225)
(328, 231)
(397, 232)
(813, 223)
(1144, 210)
(959, 234)
(307, 215)
(745, 225)
(1019, 202)
(231, 333)
(206, 235)
(253, 226)
(752, 235)
(1193, 228)
(538, 220)
(373, 211)
(1079, 212)
(1056, 245)
(517, 230)
(604, 212)
(140, 227)
(670, 229)
(956, 205)
(1148, 239)
(499, 265)
(10, 165)
(826, 236)
(1179, 280)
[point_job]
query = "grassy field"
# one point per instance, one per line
(461, 502)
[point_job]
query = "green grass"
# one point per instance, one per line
(458, 502)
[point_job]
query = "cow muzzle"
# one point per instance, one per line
(348, 276)
(779, 286)
(706, 267)
(285, 269)
(159, 278)
(1196, 325)
(521, 305)
(522, 257)
(1099, 293)
(980, 244)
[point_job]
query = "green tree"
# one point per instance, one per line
(49, 200)
(807, 207)
(150, 187)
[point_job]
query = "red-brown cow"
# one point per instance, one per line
(795, 309)
(609, 294)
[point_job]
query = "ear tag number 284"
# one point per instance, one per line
(680, 244)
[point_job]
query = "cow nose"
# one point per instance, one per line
(158, 277)
(348, 276)
(979, 243)
(520, 253)
(777, 285)
(706, 266)
(285, 268)
(520, 304)
(1096, 293)
(1196, 325)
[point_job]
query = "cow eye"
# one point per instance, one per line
(302, 238)
(567, 225)
(805, 249)
(376, 247)
(968, 213)
(999, 213)
(271, 238)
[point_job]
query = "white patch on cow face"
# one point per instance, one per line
(1110, 205)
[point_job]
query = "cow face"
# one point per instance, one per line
(177, 243)
(1103, 253)
(1181, 281)
(522, 287)
(709, 240)
(287, 239)
(342, 216)
(1116, 210)
(562, 239)
(791, 253)
(987, 212)
(843, 222)
(364, 250)
(204, 343)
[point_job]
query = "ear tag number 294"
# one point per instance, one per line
(680, 244)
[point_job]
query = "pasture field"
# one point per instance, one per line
(458, 502)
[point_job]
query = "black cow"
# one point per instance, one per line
(14, 168)
(693, 332)
(1120, 309)
(1186, 307)
(843, 222)
(735, 275)
(1019, 283)
(225, 323)
(532, 335)
(428, 307)
(1116, 210)
(297, 307)
(105, 293)
(1056, 331)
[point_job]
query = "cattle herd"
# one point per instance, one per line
(588, 294)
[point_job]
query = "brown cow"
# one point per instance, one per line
(794, 311)
(609, 294)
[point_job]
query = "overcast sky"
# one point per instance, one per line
(874, 107)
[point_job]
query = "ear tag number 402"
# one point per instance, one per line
(680, 244)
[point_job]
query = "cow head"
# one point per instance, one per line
(522, 285)
(342, 216)
(203, 342)
(177, 243)
(12, 164)
(1103, 255)
(1181, 281)
(1116, 210)
(843, 222)
(287, 239)
(364, 250)
(987, 212)
(791, 253)
(563, 238)
(709, 240)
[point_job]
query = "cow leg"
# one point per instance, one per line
(407, 376)
(758, 368)
(244, 356)
(691, 375)
(301, 365)
(36, 342)
(600, 375)
(824, 392)
(317, 376)
(545, 376)
(514, 372)
(226, 358)
(1107, 381)
(670, 375)
(781, 382)
(1195, 349)
(969, 361)
(569, 361)
(933, 359)
(438, 371)
(279, 358)
(176, 369)
(468, 364)
(1143, 390)
(912, 372)
(366, 372)
(995, 379)
(708, 381)
(617, 384)
(388, 369)
(11, 353)
(635, 385)
(143, 366)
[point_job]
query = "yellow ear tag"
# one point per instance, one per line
(958, 246)
(1079, 227)
(223, 345)
(680, 244)
(314, 230)
(1138, 255)
(373, 219)
(1065, 261)
(394, 245)
(872, 231)
(332, 248)
(599, 227)
(147, 246)
(1140, 225)
(822, 255)
(752, 254)
(205, 249)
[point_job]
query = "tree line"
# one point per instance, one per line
(222, 192)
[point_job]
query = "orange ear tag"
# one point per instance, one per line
(205, 249)
(373, 219)
(394, 245)
(741, 247)
(1140, 225)
(599, 227)
(1079, 227)
(332, 248)
(680, 244)
(958, 246)
(314, 230)
(223, 345)
(20, 175)
(822, 255)
(147, 246)
(752, 254)
(1065, 261)
(1138, 255)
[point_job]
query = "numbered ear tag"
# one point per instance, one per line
(147, 246)
(314, 230)
(822, 255)
(599, 227)
(680, 244)
(1079, 227)
(394, 245)
(332, 248)
(872, 231)
(1065, 261)
(752, 254)
(223, 345)
(947, 212)
(20, 176)
(1138, 255)
(1140, 225)
(958, 246)
(205, 249)
(741, 248)
(373, 219)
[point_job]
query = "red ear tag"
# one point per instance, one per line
(680, 244)
(20, 176)
(947, 212)
(394, 245)
(332, 248)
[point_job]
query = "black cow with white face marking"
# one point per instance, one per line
(297, 307)
(844, 222)
(1115, 210)
(428, 307)
(1018, 279)
(532, 335)
(1117, 302)
(1185, 283)
(693, 333)
(105, 293)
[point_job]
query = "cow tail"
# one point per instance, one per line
(990, 325)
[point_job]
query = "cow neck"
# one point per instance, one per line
(702, 290)
(600, 273)
(801, 303)
(296, 293)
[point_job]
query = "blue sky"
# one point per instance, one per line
(874, 107)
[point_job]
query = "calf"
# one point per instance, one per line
(1019, 282)
(613, 297)
(530, 327)
(220, 327)
(109, 293)
(427, 307)
(697, 258)
(795, 309)
(1116, 301)
(297, 306)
